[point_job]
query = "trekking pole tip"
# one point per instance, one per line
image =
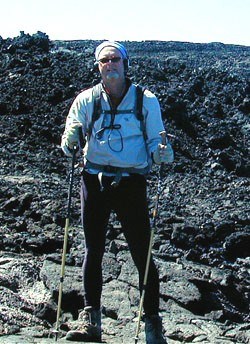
(55, 332)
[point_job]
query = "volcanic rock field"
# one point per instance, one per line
(202, 240)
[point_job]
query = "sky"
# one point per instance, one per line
(198, 21)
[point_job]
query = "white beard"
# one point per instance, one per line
(112, 75)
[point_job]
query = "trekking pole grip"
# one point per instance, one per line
(163, 135)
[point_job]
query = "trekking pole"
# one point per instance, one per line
(65, 242)
(155, 213)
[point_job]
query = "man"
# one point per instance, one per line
(117, 156)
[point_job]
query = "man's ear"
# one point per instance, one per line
(95, 68)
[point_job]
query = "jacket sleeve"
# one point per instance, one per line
(153, 121)
(77, 113)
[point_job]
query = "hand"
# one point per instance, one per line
(72, 134)
(163, 154)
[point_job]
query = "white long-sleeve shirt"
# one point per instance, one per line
(122, 147)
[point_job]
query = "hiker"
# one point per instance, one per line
(118, 154)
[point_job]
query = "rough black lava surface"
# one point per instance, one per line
(204, 93)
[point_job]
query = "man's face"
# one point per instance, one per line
(111, 64)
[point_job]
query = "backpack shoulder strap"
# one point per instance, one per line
(139, 102)
(139, 109)
(96, 94)
(97, 107)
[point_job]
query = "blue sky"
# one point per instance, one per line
(201, 21)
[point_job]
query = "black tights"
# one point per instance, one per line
(129, 201)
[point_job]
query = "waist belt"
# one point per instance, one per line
(117, 171)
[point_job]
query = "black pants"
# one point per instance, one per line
(129, 201)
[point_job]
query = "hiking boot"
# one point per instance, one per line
(88, 327)
(153, 330)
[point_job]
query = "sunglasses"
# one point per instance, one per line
(113, 60)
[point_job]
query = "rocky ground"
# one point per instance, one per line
(202, 239)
